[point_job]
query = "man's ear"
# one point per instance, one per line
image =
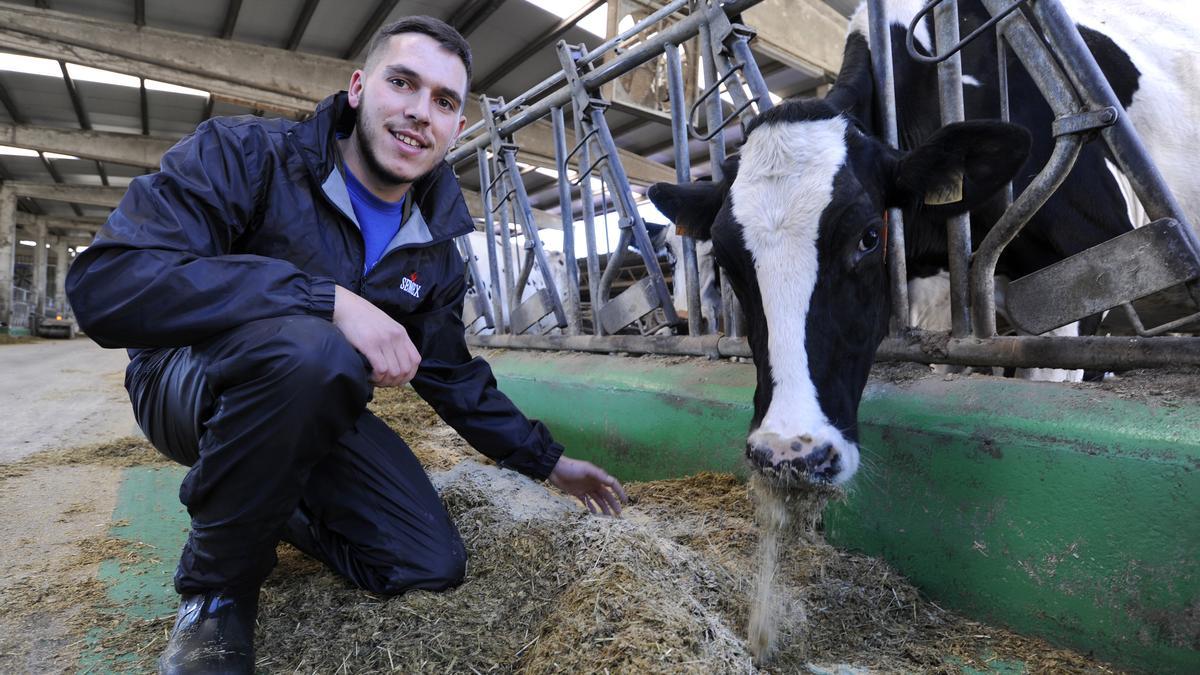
(691, 206)
(354, 91)
(959, 167)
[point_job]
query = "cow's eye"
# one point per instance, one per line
(870, 239)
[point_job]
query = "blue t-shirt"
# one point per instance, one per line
(378, 219)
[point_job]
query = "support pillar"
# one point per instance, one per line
(62, 260)
(40, 260)
(8, 251)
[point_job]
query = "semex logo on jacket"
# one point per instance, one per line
(409, 285)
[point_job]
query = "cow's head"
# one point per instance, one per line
(798, 225)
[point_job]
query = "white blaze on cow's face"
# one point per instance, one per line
(784, 183)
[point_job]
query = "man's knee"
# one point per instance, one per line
(432, 573)
(307, 357)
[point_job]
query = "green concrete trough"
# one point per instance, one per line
(1066, 512)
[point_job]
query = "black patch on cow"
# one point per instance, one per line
(1118, 68)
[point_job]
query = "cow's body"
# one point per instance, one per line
(482, 286)
(798, 224)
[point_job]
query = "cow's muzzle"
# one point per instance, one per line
(803, 458)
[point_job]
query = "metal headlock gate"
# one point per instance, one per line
(1162, 255)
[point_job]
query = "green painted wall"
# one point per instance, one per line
(1066, 512)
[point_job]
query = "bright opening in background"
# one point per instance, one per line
(32, 65)
(595, 22)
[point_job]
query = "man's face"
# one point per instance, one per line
(409, 106)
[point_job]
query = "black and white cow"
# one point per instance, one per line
(483, 285)
(798, 222)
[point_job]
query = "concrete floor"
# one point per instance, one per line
(61, 393)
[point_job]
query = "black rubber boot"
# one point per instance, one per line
(214, 633)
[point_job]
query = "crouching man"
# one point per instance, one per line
(265, 281)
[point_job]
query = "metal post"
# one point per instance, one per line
(958, 228)
(532, 238)
(499, 307)
(716, 153)
(567, 213)
(61, 261)
(683, 175)
(643, 52)
(8, 251)
(885, 84)
(40, 263)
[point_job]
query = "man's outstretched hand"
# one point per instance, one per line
(598, 491)
(385, 343)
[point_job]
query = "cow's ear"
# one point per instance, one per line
(959, 167)
(691, 206)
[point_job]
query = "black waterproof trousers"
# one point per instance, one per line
(271, 417)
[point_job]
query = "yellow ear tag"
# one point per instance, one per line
(950, 192)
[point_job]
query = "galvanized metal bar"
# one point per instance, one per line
(885, 85)
(730, 310)
(472, 264)
(1108, 353)
(499, 307)
(1005, 106)
(557, 77)
(616, 257)
(533, 238)
(711, 346)
(1059, 94)
(633, 220)
(1099, 353)
(983, 272)
(650, 49)
(754, 79)
(1128, 151)
(683, 176)
(558, 125)
(958, 228)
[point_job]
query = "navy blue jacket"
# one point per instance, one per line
(250, 219)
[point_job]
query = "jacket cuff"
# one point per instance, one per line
(537, 466)
(320, 297)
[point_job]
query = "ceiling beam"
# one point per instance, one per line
(10, 105)
(241, 73)
(306, 14)
(536, 45)
(472, 15)
(373, 24)
(106, 146)
(231, 17)
(93, 195)
(71, 227)
(807, 35)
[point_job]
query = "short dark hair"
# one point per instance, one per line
(445, 34)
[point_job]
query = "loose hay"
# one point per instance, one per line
(551, 589)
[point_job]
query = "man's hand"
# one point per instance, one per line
(378, 337)
(597, 490)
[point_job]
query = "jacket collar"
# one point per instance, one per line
(437, 196)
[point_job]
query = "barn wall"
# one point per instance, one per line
(1069, 513)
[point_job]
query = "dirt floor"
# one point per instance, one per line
(56, 392)
(549, 588)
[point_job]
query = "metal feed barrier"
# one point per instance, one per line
(1162, 256)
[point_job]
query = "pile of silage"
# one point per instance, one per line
(668, 588)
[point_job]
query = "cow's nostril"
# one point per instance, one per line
(759, 455)
(818, 455)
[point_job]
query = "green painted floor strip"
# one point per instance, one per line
(147, 512)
